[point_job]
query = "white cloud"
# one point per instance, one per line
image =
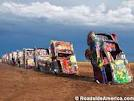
(82, 15)
(128, 3)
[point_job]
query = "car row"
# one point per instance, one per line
(108, 60)
(58, 58)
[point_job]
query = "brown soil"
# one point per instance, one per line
(18, 84)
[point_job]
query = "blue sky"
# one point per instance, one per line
(29, 23)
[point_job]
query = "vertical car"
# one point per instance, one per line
(14, 57)
(63, 58)
(42, 59)
(108, 60)
(20, 58)
(29, 59)
(4, 58)
(10, 58)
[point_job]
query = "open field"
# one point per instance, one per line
(18, 84)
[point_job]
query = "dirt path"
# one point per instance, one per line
(17, 84)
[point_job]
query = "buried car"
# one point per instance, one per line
(5, 58)
(14, 58)
(63, 58)
(20, 58)
(108, 60)
(10, 58)
(42, 59)
(29, 59)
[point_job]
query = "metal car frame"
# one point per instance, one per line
(42, 59)
(63, 58)
(103, 52)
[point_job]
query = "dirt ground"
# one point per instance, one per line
(18, 84)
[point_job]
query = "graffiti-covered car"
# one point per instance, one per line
(10, 58)
(108, 60)
(14, 58)
(42, 59)
(20, 58)
(5, 58)
(29, 59)
(63, 57)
